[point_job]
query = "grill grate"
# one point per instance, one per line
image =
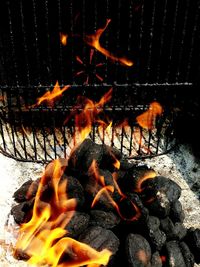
(160, 37)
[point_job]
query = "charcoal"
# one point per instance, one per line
(144, 213)
(168, 227)
(77, 224)
(176, 212)
(100, 238)
(162, 192)
(192, 239)
(161, 184)
(153, 223)
(126, 165)
(26, 191)
(129, 211)
(107, 220)
(174, 255)
(187, 255)
(138, 251)
(83, 156)
(130, 181)
(156, 260)
(156, 236)
(110, 156)
(180, 230)
(74, 189)
(94, 185)
(21, 212)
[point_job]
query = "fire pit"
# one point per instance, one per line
(66, 77)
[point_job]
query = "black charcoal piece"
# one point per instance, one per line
(131, 182)
(74, 189)
(174, 255)
(138, 251)
(83, 156)
(156, 260)
(21, 212)
(176, 212)
(156, 236)
(26, 191)
(179, 230)
(153, 223)
(192, 239)
(104, 219)
(161, 184)
(110, 156)
(162, 192)
(167, 226)
(100, 238)
(187, 255)
(126, 165)
(159, 206)
(77, 224)
(144, 213)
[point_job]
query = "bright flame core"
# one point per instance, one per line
(44, 238)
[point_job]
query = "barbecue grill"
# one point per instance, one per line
(161, 38)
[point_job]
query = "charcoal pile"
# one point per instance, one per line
(120, 206)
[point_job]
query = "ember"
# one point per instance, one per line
(96, 218)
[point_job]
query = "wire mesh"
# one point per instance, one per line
(161, 38)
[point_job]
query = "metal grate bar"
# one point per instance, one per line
(172, 41)
(12, 38)
(36, 40)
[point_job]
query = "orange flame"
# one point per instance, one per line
(147, 119)
(88, 115)
(50, 97)
(108, 190)
(63, 38)
(150, 174)
(44, 238)
(94, 41)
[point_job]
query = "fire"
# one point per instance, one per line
(148, 175)
(108, 190)
(147, 119)
(63, 38)
(44, 238)
(94, 41)
(50, 96)
(88, 115)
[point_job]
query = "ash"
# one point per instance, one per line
(180, 165)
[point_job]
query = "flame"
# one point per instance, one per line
(150, 174)
(147, 119)
(63, 38)
(44, 238)
(94, 41)
(108, 190)
(88, 115)
(50, 96)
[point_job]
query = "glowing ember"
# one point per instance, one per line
(94, 41)
(50, 96)
(63, 38)
(148, 118)
(44, 238)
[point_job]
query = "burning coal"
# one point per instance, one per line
(97, 208)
